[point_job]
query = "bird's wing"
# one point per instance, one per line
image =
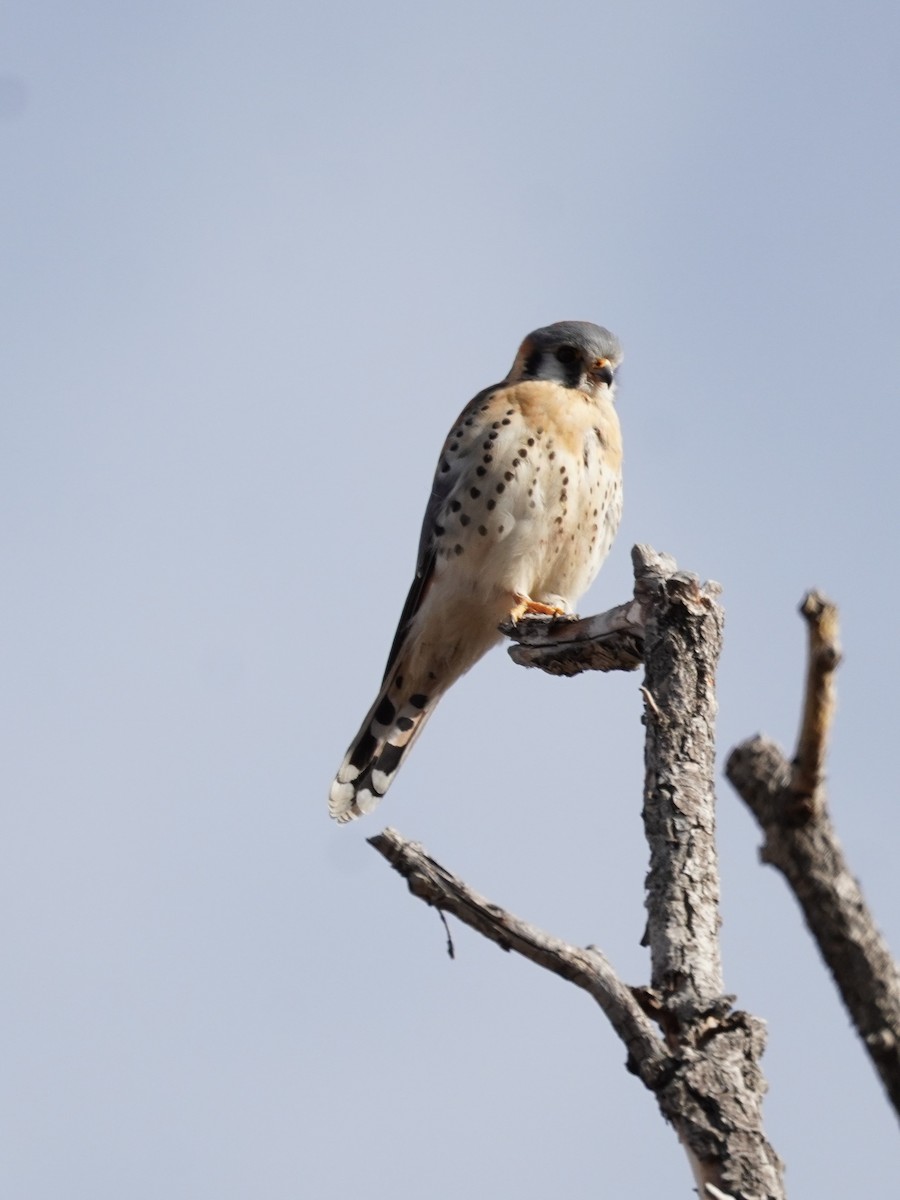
(446, 477)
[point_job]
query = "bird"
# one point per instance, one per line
(525, 503)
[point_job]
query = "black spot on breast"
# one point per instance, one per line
(482, 530)
(464, 519)
(454, 446)
(405, 723)
(385, 712)
(418, 700)
(531, 441)
(507, 475)
(501, 487)
(491, 505)
(481, 471)
(445, 466)
(439, 530)
(457, 549)
(488, 458)
(523, 453)
(505, 421)
(455, 506)
(474, 493)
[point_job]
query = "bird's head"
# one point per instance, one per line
(575, 354)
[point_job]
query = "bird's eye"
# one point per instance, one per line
(566, 354)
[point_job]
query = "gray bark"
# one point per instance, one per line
(789, 802)
(703, 1064)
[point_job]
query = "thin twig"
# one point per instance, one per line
(819, 705)
(585, 967)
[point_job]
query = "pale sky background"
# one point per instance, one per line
(256, 257)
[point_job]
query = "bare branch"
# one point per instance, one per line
(715, 1099)
(820, 702)
(683, 640)
(610, 641)
(789, 803)
(587, 968)
(708, 1084)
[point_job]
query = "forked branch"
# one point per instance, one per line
(703, 1066)
(789, 802)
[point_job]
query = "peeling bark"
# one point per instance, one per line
(689, 1046)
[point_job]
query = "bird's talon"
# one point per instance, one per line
(534, 608)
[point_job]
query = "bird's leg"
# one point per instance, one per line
(525, 606)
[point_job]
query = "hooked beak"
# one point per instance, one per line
(602, 371)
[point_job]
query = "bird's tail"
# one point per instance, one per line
(375, 755)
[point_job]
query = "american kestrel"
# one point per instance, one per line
(525, 503)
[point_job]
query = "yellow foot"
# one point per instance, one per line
(528, 607)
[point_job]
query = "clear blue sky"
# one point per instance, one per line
(255, 260)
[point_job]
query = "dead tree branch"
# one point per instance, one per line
(789, 802)
(704, 1069)
(587, 968)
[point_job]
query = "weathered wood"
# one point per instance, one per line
(789, 802)
(610, 641)
(584, 966)
(714, 1099)
(704, 1066)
